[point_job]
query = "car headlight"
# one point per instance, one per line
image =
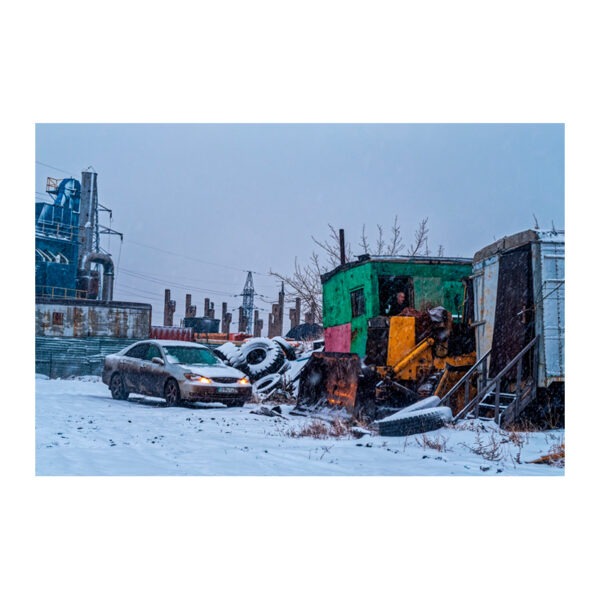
(244, 381)
(197, 378)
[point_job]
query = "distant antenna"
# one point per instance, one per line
(248, 302)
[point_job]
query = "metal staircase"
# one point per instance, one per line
(501, 398)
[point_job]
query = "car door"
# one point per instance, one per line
(130, 366)
(152, 375)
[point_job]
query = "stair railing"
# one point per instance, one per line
(479, 368)
(494, 384)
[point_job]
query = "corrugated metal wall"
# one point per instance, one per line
(549, 261)
(69, 357)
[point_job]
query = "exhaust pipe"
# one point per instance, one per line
(108, 272)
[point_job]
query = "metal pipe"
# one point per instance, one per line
(108, 272)
(419, 349)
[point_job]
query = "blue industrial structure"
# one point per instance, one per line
(56, 240)
(77, 321)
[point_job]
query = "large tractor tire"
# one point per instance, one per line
(267, 384)
(416, 421)
(288, 349)
(231, 354)
(261, 357)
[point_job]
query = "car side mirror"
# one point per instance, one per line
(158, 361)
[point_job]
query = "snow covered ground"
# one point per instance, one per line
(302, 535)
(81, 430)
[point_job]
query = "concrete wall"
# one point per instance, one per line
(80, 318)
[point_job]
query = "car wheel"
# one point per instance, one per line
(117, 387)
(171, 393)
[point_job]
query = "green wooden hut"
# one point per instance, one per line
(357, 291)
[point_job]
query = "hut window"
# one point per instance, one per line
(357, 301)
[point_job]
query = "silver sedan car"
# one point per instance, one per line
(176, 371)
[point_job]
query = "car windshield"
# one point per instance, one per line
(190, 356)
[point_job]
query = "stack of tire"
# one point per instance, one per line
(264, 360)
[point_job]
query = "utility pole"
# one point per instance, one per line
(248, 304)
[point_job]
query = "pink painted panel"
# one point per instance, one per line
(337, 339)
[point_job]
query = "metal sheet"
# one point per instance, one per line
(337, 339)
(71, 357)
(485, 289)
(551, 303)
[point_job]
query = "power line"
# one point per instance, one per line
(138, 290)
(197, 259)
(162, 249)
(154, 279)
(37, 162)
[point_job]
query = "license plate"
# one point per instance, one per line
(224, 390)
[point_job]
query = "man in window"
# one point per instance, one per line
(396, 304)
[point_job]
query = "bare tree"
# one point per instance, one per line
(393, 246)
(305, 281)
(419, 248)
(331, 246)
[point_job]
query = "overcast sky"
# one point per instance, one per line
(199, 205)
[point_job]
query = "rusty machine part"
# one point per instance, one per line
(330, 380)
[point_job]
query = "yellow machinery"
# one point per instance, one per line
(408, 357)
(426, 363)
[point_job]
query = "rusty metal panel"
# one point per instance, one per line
(330, 380)
(91, 319)
(514, 324)
(377, 341)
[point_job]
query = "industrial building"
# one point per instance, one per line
(77, 321)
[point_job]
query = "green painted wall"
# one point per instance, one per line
(434, 284)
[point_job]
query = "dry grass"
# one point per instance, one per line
(320, 429)
(438, 443)
(491, 449)
(555, 457)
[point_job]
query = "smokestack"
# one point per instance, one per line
(342, 248)
(169, 309)
(88, 207)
